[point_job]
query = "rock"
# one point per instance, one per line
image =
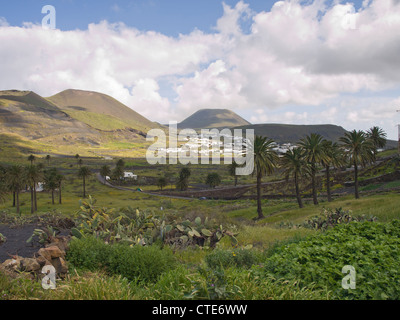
(29, 265)
(12, 264)
(60, 241)
(44, 253)
(60, 265)
(42, 261)
(54, 252)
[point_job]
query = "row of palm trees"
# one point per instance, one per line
(17, 178)
(356, 148)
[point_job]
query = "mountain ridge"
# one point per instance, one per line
(212, 118)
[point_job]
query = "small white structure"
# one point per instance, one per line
(130, 175)
(40, 187)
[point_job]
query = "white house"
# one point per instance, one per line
(130, 175)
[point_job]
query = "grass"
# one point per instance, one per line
(192, 277)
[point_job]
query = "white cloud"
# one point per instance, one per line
(3, 22)
(300, 55)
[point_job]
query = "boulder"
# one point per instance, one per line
(29, 265)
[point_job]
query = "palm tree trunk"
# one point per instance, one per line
(13, 199)
(314, 188)
(259, 208)
(59, 194)
(236, 180)
(52, 196)
(84, 188)
(32, 201)
(328, 184)
(356, 192)
(296, 182)
(17, 202)
(34, 196)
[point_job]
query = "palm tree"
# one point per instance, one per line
(183, 180)
(359, 150)
(333, 158)
(84, 172)
(265, 161)
(31, 158)
(213, 180)
(50, 181)
(33, 175)
(232, 170)
(314, 154)
(15, 178)
(48, 157)
(59, 178)
(3, 185)
(295, 165)
(162, 182)
(378, 138)
(105, 171)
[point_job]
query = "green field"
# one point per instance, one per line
(245, 270)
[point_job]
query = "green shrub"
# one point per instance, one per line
(134, 263)
(373, 249)
(244, 258)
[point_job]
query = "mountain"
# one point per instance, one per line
(100, 111)
(30, 116)
(71, 122)
(213, 118)
(290, 133)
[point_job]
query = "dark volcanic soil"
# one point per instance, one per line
(16, 241)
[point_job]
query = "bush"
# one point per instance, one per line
(373, 249)
(134, 263)
(244, 258)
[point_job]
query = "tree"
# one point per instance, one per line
(31, 158)
(359, 150)
(105, 171)
(121, 163)
(15, 178)
(294, 165)
(80, 162)
(183, 180)
(84, 173)
(314, 154)
(333, 158)
(265, 161)
(117, 173)
(59, 178)
(162, 182)
(33, 175)
(50, 182)
(3, 184)
(232, 170)
(213, 180)
(48, 157)
(377, 137)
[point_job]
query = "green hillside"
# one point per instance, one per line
(43, 127)
(75, 102)
(213, 118)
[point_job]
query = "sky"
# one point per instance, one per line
(292, 61)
